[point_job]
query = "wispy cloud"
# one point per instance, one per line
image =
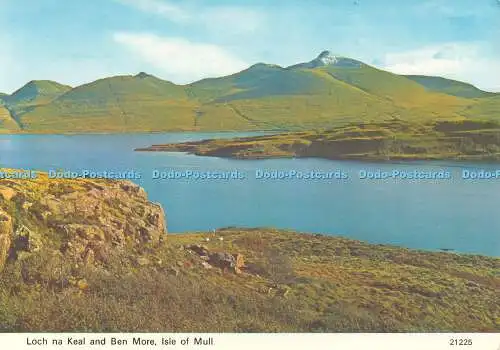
(453, 8)
(462, 61)
(238, 19)
(170, 11)
(180, 60)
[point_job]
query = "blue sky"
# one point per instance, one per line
(78, 41)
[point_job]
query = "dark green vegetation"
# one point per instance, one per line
(326, 92)
(93, 255)
(378, 141)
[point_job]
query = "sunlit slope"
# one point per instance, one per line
(273, 97)
(38, 90)
(449, 86)
(402, 92)
(33, 94)
(260, 81)
(211, 89)
(313, 95)
(484, 108)
(122, 103)
(325, 92)
(7, 123)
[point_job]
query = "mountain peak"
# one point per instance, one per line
(143, 75)
(43, 86)
(38, 88)
(327, 58)
(261, 66)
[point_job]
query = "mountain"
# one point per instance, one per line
(119, 103)
(38, 91)
(33, 94)
(450, 87)
(325, 92)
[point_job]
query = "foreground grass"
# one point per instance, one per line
(92, 255)
(291, 283)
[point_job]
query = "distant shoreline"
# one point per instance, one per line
(138, 132)
(390, 141)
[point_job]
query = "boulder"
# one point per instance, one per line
(225, 260)
(206, 265)
(199, 249)
(222, 260)
(27, 240)
(239, 263)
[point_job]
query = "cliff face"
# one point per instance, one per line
(84, 220)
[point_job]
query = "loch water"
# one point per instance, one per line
(433, 214)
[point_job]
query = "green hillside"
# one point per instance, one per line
(485, 108)
(38, 90)
(34, 93)
(326, 92)
(450, 87)
(412, 98)
(7, 123)
(121, 103)
(260, 81)
(272, 97)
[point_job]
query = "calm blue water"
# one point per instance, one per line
(428, 214)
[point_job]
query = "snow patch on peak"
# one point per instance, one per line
(327, 58)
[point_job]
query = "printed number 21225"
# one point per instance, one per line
(460, 342)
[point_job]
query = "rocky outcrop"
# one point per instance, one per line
(83, 219)
(5, 237)
(221, 260)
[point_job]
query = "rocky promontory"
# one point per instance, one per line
(391, 140)
(81, 219)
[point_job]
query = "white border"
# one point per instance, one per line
(231, 341)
